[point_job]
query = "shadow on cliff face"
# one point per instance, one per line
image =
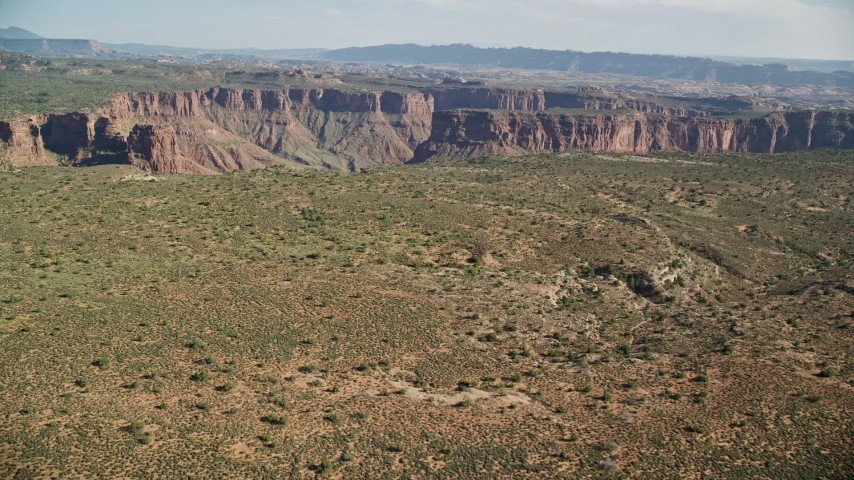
(66, 134)
(105, 158)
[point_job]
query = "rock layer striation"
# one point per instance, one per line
(224, 129)
(460, 134)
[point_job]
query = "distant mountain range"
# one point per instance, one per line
(15, 33)
(15, 39)
(655, 66)
(733, 70)
(160, 50)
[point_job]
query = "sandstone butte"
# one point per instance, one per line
(220, 129)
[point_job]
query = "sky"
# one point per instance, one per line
(822, 29)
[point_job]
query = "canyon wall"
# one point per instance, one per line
(490, 99)
(608, 102)
(221, 129)
(21, 143)
(218, 129)
(598, 98)
(459, 134)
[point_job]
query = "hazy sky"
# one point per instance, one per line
(778, 28)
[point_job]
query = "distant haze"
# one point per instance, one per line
(754, 28)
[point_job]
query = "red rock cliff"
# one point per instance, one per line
(222, 129)
(490, 98)
(21, 143)
(153, 148)
(215, 129)
(477, 133)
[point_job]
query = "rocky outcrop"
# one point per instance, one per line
(340, 101)
(479, 133)
(67, 134)
(614, 102)
(159, 104)
(490, 98)
(598, 98)
(21, 143)
(153, 148)
(185, 149)
(347, 130)
(408, 103)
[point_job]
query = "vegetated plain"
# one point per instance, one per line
(575, 315)
(49, 85)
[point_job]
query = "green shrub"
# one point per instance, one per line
(136, 427)
(325, 467)
(310, 368)
(101, 362)
(275, 419)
